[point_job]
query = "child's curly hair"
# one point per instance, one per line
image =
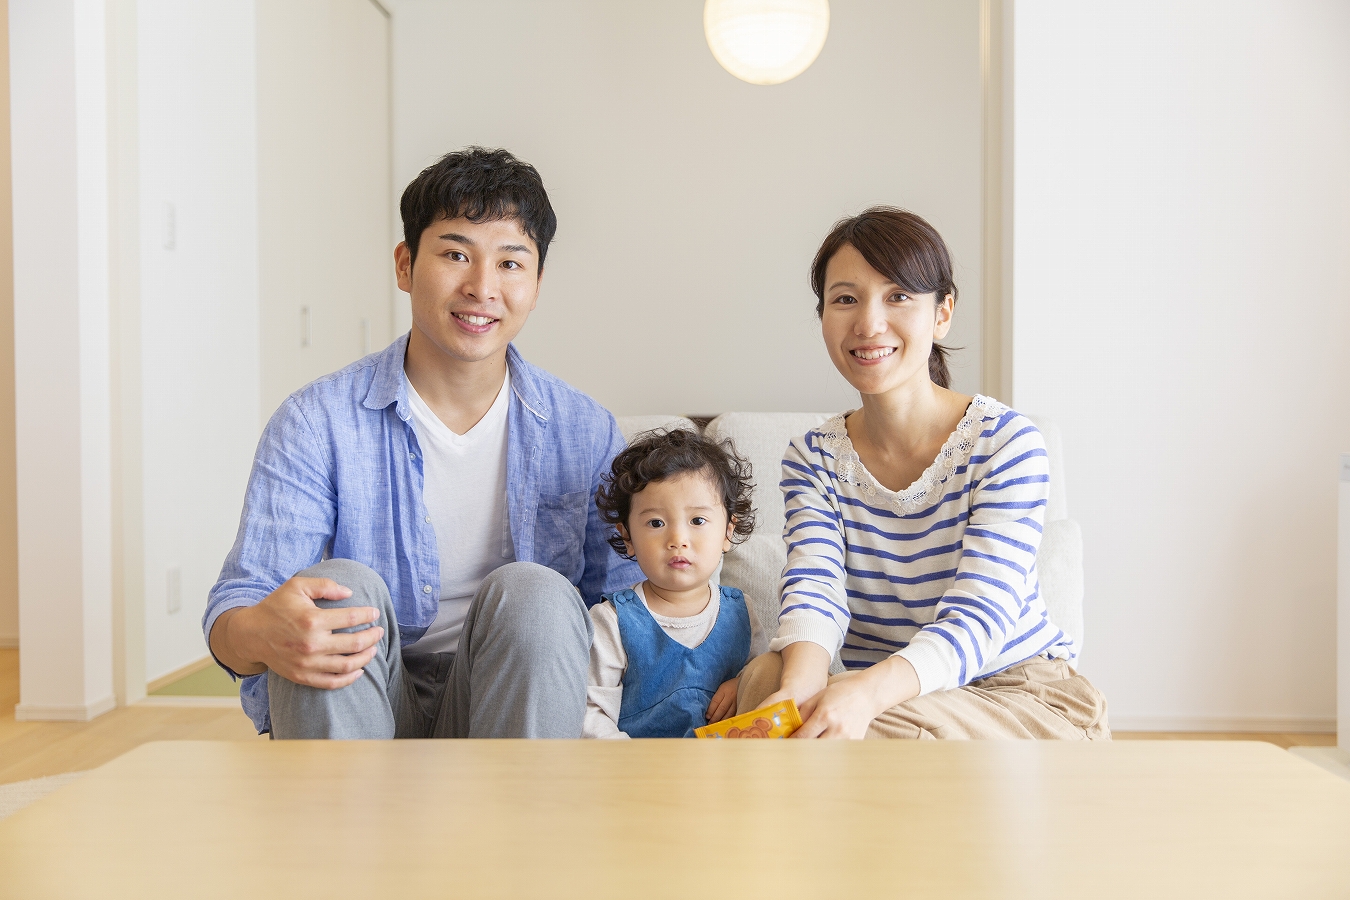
(661, 454)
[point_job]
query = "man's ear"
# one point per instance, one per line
(403, 263)
(942, 323)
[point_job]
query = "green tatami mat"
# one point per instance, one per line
(209, 682)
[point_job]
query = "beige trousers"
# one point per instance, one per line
(1040, 699)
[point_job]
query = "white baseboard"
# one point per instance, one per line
(9, 643)
(1268, 724)
(208, 702)
(37, 712)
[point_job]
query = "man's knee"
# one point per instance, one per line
(366, 585)
(530, 598)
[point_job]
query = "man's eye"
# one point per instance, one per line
(511, 264)
(698, 520)
(457, 256)
(655, 523)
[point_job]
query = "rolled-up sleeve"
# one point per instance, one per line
(290, 507)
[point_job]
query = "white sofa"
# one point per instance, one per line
(756, 565)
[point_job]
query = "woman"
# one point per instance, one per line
(912, 526)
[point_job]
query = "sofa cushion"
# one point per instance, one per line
(762, 438)
(1059, 565)
(632, 426)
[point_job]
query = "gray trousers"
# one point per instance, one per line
(520, 671)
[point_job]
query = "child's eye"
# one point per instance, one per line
(698, 520)
(655, 523)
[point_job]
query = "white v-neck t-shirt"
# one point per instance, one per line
(464, 489)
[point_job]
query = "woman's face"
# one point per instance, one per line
(878, 334)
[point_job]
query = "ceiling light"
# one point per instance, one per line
(766, 41)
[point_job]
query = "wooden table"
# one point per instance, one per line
(687, 819)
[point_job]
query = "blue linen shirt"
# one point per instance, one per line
(338, 473)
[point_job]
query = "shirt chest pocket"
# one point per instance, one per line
(560, 532)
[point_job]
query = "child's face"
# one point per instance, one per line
(678, 530)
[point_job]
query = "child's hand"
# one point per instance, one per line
(723, 705)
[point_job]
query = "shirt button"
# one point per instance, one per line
(426, 589)
(412, 456)
(428, 520)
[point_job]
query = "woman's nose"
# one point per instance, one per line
(871, 320)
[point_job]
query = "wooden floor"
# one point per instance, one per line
(34, 749)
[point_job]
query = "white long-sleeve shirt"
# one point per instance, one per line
(942, 573)
(604, 691)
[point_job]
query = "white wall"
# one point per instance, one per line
(690, 204)
(1182, 297)
(199, 303)
(9, 524)
(324, 186)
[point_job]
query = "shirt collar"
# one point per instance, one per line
(391, 385)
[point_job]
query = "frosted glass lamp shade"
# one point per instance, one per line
(766, 41)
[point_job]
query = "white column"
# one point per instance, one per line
(61, 333)
(1343, 613)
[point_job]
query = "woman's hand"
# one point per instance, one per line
(848, 705)
(723, 705)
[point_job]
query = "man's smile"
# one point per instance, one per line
(474, 324)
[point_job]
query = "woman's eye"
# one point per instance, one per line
(698, 520)
(899, 297)
(845, 300)
(655, 523)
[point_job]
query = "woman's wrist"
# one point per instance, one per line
(890, 683)
(806, 669)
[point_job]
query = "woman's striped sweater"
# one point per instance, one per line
(942, 573)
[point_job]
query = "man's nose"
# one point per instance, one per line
(482, 283)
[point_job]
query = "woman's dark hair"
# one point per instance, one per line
(480, 185)
(904, 248)
(661, 454)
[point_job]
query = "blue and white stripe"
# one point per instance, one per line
(943, 573)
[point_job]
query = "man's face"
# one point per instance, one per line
(472, 287)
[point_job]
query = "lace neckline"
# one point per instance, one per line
(919, 495)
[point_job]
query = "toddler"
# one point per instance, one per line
(668, 651)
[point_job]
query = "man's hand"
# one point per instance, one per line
(288, 634)
(723, 705)
(848, 705)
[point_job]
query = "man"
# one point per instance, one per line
(419, 528)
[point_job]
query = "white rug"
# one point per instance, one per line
(14, 797)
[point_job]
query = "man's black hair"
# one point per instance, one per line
(480, 185)
(662, 454)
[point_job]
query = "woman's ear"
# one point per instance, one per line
(942, 321)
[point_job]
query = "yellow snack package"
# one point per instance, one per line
(777, 721)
